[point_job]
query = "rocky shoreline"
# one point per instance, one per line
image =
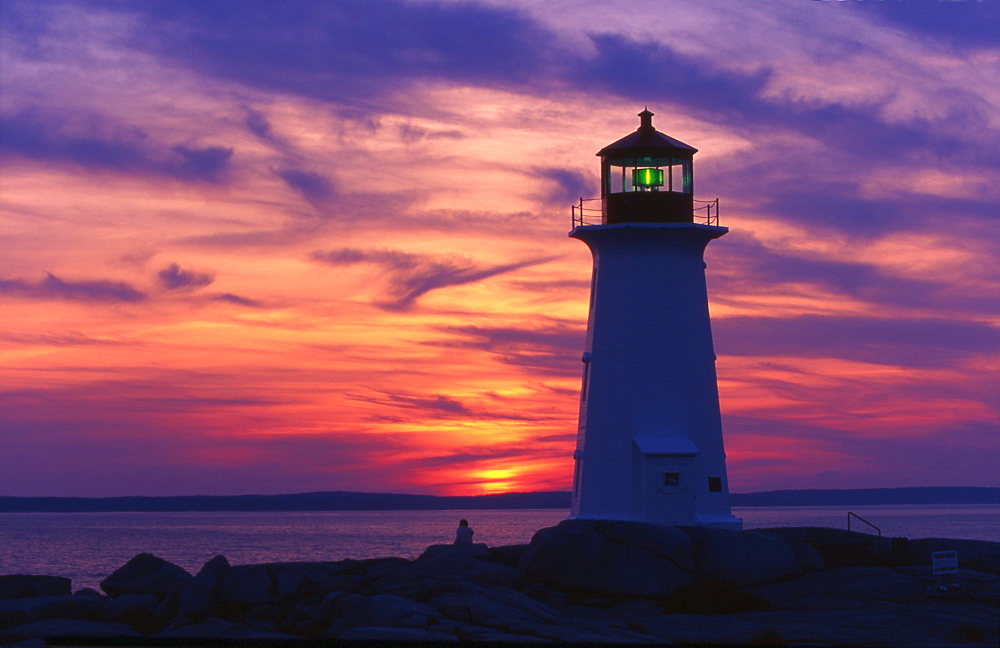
(583, 581)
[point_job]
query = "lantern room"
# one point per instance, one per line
(647, 177)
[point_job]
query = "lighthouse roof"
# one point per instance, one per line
(646, 141)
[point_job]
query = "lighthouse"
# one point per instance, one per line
(649, 443)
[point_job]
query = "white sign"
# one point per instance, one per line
(944, 562)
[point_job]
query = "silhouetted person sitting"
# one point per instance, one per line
(463, 535)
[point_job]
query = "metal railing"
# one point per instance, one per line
(706, 212)
(710, 209)
(855, 515)
(583, 214)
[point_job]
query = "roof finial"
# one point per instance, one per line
(646, 119)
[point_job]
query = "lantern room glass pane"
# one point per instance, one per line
(687, 183)
(648, 174)
(647, 179)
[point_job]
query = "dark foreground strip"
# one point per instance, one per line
(186, 642)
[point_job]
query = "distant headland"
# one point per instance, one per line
(355, 501)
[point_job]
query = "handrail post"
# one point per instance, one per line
(851, 514)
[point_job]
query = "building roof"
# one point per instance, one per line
(646, 141)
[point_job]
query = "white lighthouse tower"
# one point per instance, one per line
(649, 446)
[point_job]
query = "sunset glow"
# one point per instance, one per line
(302, 246)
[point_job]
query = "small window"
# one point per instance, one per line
(671, 479)
(715, 484)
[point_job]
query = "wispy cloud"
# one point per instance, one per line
(63, 339)
(230, 298)
(378, 46)
(555, 348)
(657, 72)
(481, 456)
(797, 451)
(966, 25)
(907, 342)
(568, 186)
(54, 288)
(314, 187)
(173, 278)
(258, 124)
(410, 276)
(439, 406)
(98, 144)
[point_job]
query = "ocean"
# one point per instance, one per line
(87, 547)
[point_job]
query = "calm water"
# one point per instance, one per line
(86, 547)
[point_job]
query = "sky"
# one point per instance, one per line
(276, 247)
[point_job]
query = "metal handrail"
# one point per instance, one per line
(855, 515)
(711, 208)
(581, 212)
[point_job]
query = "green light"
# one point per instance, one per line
(647, 177)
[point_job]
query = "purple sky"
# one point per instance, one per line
(285, 246)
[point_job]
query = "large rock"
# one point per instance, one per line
(508, 554)
(494, 607)
(200, 597)
(436, 567)
(307, 618)
(290, 583)
(471, 633)
(68, 628)
(135, 610)
(15, 612)
(742, 558)
(394, 636)
(809, 559)
(381, 610)
(247, 585)
(901, 585)
(620, 557)
(611, 556)
(17, 586)
(316, 573)
(977, 555)
(455, 552)
(145, 574)
(167, 609)
(498, 614)
(835, 547)
(221, 629)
